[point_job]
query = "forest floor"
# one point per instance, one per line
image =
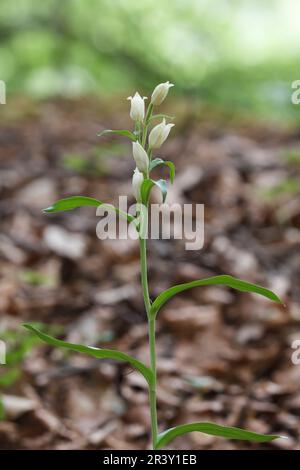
(223, 356)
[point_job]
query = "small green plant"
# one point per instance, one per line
(18, 346)
(144, 144)
(36, 278)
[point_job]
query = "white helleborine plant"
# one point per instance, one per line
(142, 183)
(140, 156)
(137, 180)
(160, 92)
(159, 134)
(137, 108)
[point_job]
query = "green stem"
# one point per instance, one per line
(151, 333)
(147, 118)
(152, 391)
(151, 318)
(144, 275)
(139, 131)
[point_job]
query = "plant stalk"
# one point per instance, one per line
(151, 334)
(152, 391)
(147, 119)
(144, 275)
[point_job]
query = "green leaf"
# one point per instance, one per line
(122, 132)
(148, 184)
(146, 187)
(214, 430)
(159, 161)
(161, 116)
(74, 202)
(94, 352)
(224, 279)
(162, 185)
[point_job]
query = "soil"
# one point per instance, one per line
(223, 355)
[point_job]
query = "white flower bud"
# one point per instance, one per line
(159, 134)
(140, 156)
(160, 92)
(137, 109)
(137, 180)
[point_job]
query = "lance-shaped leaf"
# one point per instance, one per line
(148, 184)
(159, 161)
(74, 202)
(94, 352)
(224, 279)
(214, 430)
(121, 132)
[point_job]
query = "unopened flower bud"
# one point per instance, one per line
(137, 181)
(159, 134)
(137, 108)
(140, 156)
(160, 92)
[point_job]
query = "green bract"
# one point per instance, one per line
(159, 161)
(142, 186)
(148, 184)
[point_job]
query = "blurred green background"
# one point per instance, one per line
(236, 54)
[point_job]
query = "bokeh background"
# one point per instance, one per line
(223, 356)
